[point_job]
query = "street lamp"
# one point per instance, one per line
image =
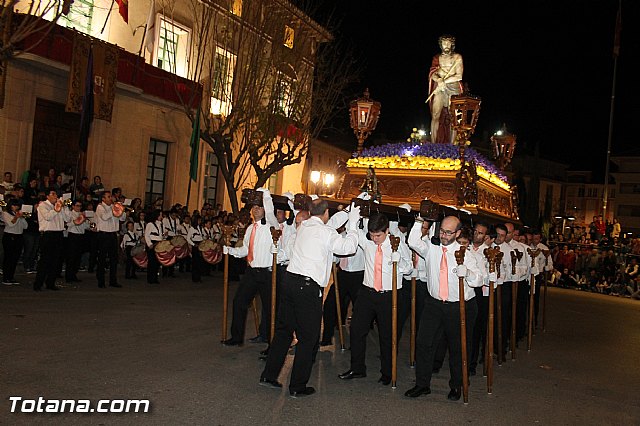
(504, 145)
(323, 181)
(464, 110)
(364, 117)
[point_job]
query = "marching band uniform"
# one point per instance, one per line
(12, 244)
(129, 240)
(153, 234)
(194, 238)
(75, 246)
(442, 311)
(184, 264)
(108, 226)
(51, 225)
(139, 227)
(301, 303)
(374, 302)
(170, 224)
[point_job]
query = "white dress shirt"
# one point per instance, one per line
(171, 225)
(16, 228)
(194, 235)
(153, 233)
(370, 248)
(72, 228)
(49, 219)
(262, 243)
(106, 221)
(130, 239)
(352, 263)
(139, 227)
(313, 249)
(541, 260)
(523, 265)
(433, 255)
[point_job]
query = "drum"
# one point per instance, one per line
(165, 253)
(139, 255)
(211, 252)
(180, 246)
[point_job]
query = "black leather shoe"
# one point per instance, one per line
(270, 383)
(326, 343)
(348, 375)
(115, 285)
(454, 395)
(265, 352)
(231, 342)
(384, 380)
(416, 391)
(258, 339)
(299, 394)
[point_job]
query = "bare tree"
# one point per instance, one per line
(269, 85)
(37, 18)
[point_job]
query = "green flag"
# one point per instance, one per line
(195, 145)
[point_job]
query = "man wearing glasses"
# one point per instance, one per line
(441, 315)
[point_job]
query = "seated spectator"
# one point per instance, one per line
(631, 272)
(593, 280)
(617, 286)
(602, 286)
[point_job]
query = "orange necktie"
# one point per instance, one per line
(251, 239)
(377, 270)
(444, 276)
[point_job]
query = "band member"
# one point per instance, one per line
(14, 226)
(442, 310)
(51, 218)
(171, 223)
(256, 248)
(140, 224)
(301, 304)
(543, 264)
(374, 297)
(183, 230)
(194, 238)
(76, 228)
(108, 218)
(153, 233)
(129, 241)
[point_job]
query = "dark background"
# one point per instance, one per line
(545, 68)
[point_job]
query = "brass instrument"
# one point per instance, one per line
(117, 208)
(26, 215)
(3, 204)
(68, 202)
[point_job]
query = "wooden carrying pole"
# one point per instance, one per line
(463, 327)
(492, 255)
(499, 324)
(275, 236)
(412, 340)
(544, 293)
(395, 242)
(256, 319)
(336, 288)
(227, 230)
(532, 290)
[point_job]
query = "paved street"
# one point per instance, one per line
(162, 343)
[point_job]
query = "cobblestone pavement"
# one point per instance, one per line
(162, 343)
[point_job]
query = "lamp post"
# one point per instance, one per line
(464, 110)
(504, 145)
(323, 182)
(364, 117)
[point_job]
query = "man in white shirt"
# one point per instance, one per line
(521, 278)
(375, 297)
(76, 228)
(108, 225)
(301, 304)
(543, 264)
(442, 309)
(51, 218)
(477, 247)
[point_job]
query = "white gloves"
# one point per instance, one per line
(264, 191)
(364, 196)
(461, 271)
(493, 276)
(354, 216)
(414, 273)
(395, 256)
(274, 249)
(289, 195)
(225, 249)
(405, 206)
(313, 197)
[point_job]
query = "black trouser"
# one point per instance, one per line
(255, 280)
(107, 248)
(50, 263)
(129, 266)
(31, 242)
(404, 308)
(299, 312)
(12, 246)
(522, 308)
(536, 296)
(75, 245)
(479, 330)
(369, 306)
(437, 319)
(93, 250)
(506, 289)
(197, 264)
(153, 265)
(348, 287)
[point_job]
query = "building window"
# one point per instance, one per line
(236, 7)
(172, 48)
(272, 184)
(222, 82)
(210, 178)
(581, 191)
(156, 170)
(289, 35)
(283, 95)
(630, 188)
(628, 210)
(80, 16)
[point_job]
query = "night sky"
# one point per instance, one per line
(542, 67)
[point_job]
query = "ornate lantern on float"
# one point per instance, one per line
(364, 117)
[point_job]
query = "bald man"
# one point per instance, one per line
(441, 315)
